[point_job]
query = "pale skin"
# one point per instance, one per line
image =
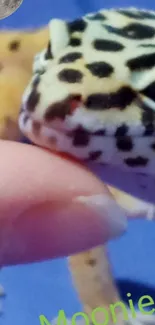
(41, 216)
(44, 215)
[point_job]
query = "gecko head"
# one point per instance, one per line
(54, 110)
(54, 116)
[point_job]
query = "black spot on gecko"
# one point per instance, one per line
(99, 133)
(133, 31)
(149, 130)
(136, 162)
(94, 155)
(124, 143)
(145, 61)
(147, 45)
(130, 14)
(121, 130)
(70, 57)
(48, 54)
(107, 45)
(75, 41)
(153, 146)
(148, 117)
(33, 100)
(100, 69)
(147, 14)
(149, 91)
(14, 45)
(120, 99)
(78, 25)
(98, 16)
(60, 109)
(81, 137)
(137, 14)
(70, 76)
(138, 31)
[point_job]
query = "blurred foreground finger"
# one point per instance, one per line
(51, 207)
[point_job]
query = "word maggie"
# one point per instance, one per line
(144, 302)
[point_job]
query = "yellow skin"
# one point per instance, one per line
(17, 51)
(15, 73)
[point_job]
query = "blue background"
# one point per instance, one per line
(44, 288)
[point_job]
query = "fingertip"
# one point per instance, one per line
(59, 229)
(40, 217)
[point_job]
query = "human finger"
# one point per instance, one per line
(50, 206)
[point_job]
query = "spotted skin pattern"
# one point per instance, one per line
(95, 100)
(92, 95)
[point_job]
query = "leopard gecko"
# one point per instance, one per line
(92, 95)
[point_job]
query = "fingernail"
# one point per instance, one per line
(106, 208)
(81, 224)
